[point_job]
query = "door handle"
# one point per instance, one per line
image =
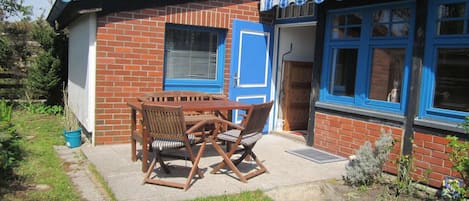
(235, 80)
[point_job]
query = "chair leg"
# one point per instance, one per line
(240, 159)
(144, 155)
(261, 170)
(253, 155)
(195, 166)
(222, 164)
(247, 153)
(161, 162)
(150, 170)
(227, 161)
(193, 159)
(133, 150)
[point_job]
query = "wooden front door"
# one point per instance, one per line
(296, 88)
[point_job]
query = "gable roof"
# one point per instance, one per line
(64, 12)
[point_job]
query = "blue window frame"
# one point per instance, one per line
(445, 80)
(367, 56)
(194, 58)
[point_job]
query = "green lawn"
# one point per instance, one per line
(40, 165)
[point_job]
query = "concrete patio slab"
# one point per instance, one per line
(125, 178)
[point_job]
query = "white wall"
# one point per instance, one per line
(82, 69)
(302, 40)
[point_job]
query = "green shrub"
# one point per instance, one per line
(404, 182)
(460, 158)
(5, 111)
(367, 167)
(40, 108)
(10, 152)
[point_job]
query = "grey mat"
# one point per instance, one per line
(315, 155)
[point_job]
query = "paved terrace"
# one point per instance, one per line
(125, 178)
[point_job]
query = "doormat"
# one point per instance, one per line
(316, 155)
(298, 132)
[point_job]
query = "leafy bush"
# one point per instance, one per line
(404, 182)
(9, 149)
(43, 75)
(5, 111)
(367, 167)
(40, 108)
(5, 53)
(10, 152)
(460, 158)
(46, 73)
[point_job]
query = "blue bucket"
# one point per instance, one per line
(73, 138)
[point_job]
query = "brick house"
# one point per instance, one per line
(341, 71)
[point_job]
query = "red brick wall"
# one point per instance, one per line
(343, 136)
(430, 153)
(130, 55)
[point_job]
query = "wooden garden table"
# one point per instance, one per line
(204, 106)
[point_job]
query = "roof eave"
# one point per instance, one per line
(64, 13)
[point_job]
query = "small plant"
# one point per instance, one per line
(5, 111)
(404, 183)
(452, 189)
(460, 158)
(70, 121)
(385, 195)
(367, 167)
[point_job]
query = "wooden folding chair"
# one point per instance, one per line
(166, 126)
(246, 135)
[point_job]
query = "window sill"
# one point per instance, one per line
(361, 111)
(441, 125)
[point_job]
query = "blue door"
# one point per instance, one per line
(251, 68)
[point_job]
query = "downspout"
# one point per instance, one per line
(92, 76)
(281, 94)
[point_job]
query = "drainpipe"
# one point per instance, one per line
(280, 113)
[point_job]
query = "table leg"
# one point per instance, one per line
(133, 128)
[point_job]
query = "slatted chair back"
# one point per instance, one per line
(164, 122)
(178, 96)
(256, 118)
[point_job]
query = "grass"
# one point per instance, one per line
(244, 196)
(40, 165)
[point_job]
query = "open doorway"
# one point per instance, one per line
(295, 58)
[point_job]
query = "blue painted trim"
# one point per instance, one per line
(211, 86)
(432, 43)
(234, 46)
(365, 44)
(237, 24)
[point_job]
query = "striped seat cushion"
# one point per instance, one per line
(163, 144)
(247, 139)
